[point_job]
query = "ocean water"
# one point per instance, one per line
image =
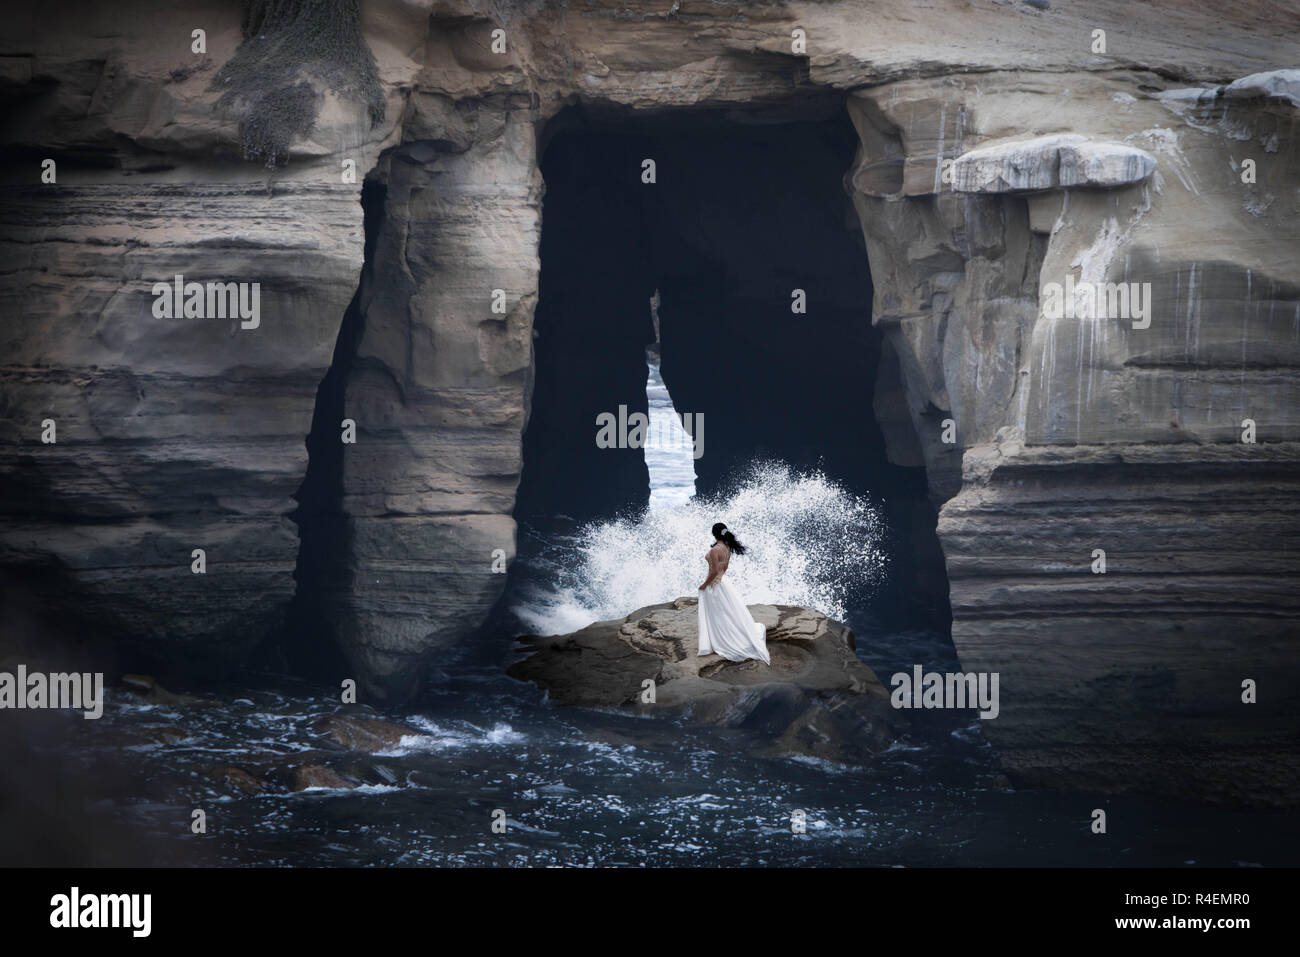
(589, 788)
(593, 788)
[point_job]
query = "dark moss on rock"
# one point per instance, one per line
(293, 50)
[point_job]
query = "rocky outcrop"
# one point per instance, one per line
(1126, 596)
(339, 759)
(1117, 361)
(237, 781)
(362, 734)
(1050, 162)
(437, 390)
(309, 776)
(135, 440)
(1005, 158)
(815, 698)
(169, 434)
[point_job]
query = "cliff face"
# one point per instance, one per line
(1114, 548)
(1003, 152)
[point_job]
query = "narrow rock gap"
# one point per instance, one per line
(310, 646)
(669, 449)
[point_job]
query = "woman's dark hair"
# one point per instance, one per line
(723, 534)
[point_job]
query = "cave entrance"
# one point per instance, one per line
(724, 244)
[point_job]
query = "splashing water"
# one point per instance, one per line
(809, 542)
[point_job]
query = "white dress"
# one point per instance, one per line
(726, 626)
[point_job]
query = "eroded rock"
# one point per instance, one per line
(147, 688)
(1050, 162)
(174, 437)
(319, 776)
(814, 699)
(362, 734)
(237, 780)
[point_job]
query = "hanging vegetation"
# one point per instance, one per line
(288, 44)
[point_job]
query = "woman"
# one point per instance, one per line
(726, 627)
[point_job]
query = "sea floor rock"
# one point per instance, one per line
(815, 699)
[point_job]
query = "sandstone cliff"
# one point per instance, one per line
(1001, 150)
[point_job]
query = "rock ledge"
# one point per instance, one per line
(816, 699)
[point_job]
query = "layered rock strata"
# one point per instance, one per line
(1005, 159)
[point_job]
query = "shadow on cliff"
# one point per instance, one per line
(309, 647)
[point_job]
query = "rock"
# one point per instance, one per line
(815, 698)
(319, 776)
(174, 435)
(237, 780)
(1050, 162)
(1076, 433)
(163, 736)
(427, 493)
(182, 407)
(1177, 593)
(362, 734)
(146, 687)
(1281, 84)
(267, 771)
(605, 670)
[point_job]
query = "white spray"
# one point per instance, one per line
(809, 542)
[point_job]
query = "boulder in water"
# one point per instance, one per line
(816, 699)
(238, 781)
(362, 734)
(147, 688)
(310, 776)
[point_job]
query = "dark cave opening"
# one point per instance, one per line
(747, 214)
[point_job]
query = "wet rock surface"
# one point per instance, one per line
(815, 699)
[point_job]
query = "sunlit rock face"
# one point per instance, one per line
(1004, 191)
